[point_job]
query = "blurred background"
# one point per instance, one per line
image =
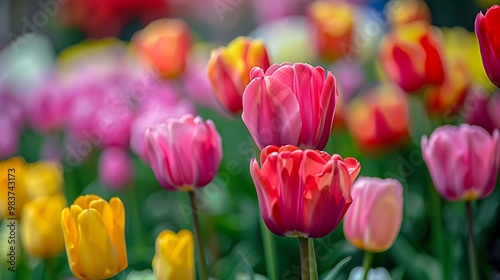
(75, 97)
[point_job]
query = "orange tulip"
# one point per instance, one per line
(164, 45)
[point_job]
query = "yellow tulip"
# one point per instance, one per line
(174, 256)
(13, 193)
(41, 235)
(94, 234)
(43, 178)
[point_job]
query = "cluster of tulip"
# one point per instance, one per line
(112, 97)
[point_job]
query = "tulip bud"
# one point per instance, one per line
(94, 235)
(373, 221)
(164, 45)
(487, 29)
(302, 192)
(401, 12)
(333, 27)
(43, 178)
(116, 169)
(41, 233)
(290, 104)
(411, 56)
(229, 70)
(174, 256)
(184, 153)
(463, 161)
(379, 119)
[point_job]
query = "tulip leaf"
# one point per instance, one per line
(336, 270)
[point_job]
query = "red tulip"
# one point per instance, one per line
(229, 70)
(463, 161)
(488, 34)
(183, 153)
(290, 104)
(303, 192)
(412, 56)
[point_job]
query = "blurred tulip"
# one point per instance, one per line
(13, 196)
(412, 56)
(379, 118)
(280, 9)
(446, 99)
(303, 192)
(94, 235)
(164, 44)
(229, 70)
(9, 142)
(401, 12)
(184, 153)
(373, 221)
(116, 169)
(462, 45)
(43, 178)
(463, 161)
(101, 19)
(41, 233)
(333, 28)
(174, 256)
(479, 108)
(379, 273)
(290, 104)
(284, 37)
(487, 29)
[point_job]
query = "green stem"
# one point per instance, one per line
(269, 251)
(436, 229)
(49, 267)
(202, 266)
(367, 263)
(312, 263)
(474, 275)
(304, 258)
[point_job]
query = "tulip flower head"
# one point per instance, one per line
(487, 29)
(463, 161)
(412, 56)
(41, 233)
(229, 70)
(174, 256)
(184, 153)
(94, 235)
(116, 169)
(290, 104)
(373, 221)
(164, 44)
(43, 178)
(303, 192)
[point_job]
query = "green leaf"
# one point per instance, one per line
(336, 270)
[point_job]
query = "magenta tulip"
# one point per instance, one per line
(116, 169)
(463, 161)
(290, 104)
(303, 193)
(487, 29)
(184, 153)
(373, 221)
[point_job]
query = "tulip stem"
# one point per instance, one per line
(304, 258)
(269, 251)
(312, 256)
(472, 247)
(49, 267)
(367, 263)
(202, 266)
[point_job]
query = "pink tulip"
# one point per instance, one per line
(290, 104)
(184, 153)
(463, 161)
(116, 169)
(374, 218)
(302, 192)
(487, 29)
